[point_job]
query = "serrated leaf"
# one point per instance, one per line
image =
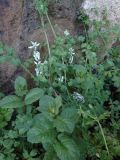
(66, 121)
(71, 113)
(20, 86)
(46, 102)
(23, 123)
(66, 148)
(11, 101)
(50, 155)
(41, 135)
(50, 104)
(64, 124)
(58, 101)
(5, 116)
(42, 130)
(33, 95)
(40, 120)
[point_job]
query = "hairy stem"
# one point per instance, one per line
(102, 132)
(32, 76)
(51, 25)
(46, 37)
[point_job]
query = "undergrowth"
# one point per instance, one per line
(72, 111)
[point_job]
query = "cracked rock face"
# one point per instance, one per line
(111, 7)
(104, 10)
(20, 23)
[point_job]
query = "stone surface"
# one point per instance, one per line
(104, 10)
(19, 24)
(111, 7)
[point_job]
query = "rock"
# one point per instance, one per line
(20, 23)
(104, 10)
(111, 7)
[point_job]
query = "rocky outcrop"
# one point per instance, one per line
(19, 24)
(110, 7)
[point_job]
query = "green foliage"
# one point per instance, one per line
(41, 6)
(20, 86)
(72, 111)
(33, 95)
(5, 116)
(11, 101)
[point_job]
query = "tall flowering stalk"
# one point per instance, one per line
(37, 59)
(36, 56)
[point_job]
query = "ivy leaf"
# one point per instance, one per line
(33, 95)
(66, 148)
(20, 86)
(11, 101)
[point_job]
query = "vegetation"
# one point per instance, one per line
(72, 111)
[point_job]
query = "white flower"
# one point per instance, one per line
(36, 55)
(78, 97)
(66, 33)
(34, 45)
(71, 52)
(35, 62)
(37, 71)
(61, 79)
(71, 59)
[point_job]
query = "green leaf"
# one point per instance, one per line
(50, 104)
(34, 95)
(50, 154)
(64, 125)
(67, 120)
(23, 123)
(40, 135)
(58, 101)
(40, 120)
(42, 130)
(46, 102)
(5, 116)
(117, 150)
(11, 101)
(20, 86)
(66, 148)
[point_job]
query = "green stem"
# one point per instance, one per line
(101, 129)
(48, 45)
(32, 76)
(46, 37)
(51, 25)
(102, 132)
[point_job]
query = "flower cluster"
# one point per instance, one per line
(36, 55)
(61, 79)
(71, 53)
(78, 97)
(66, 33)
(37, 59)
